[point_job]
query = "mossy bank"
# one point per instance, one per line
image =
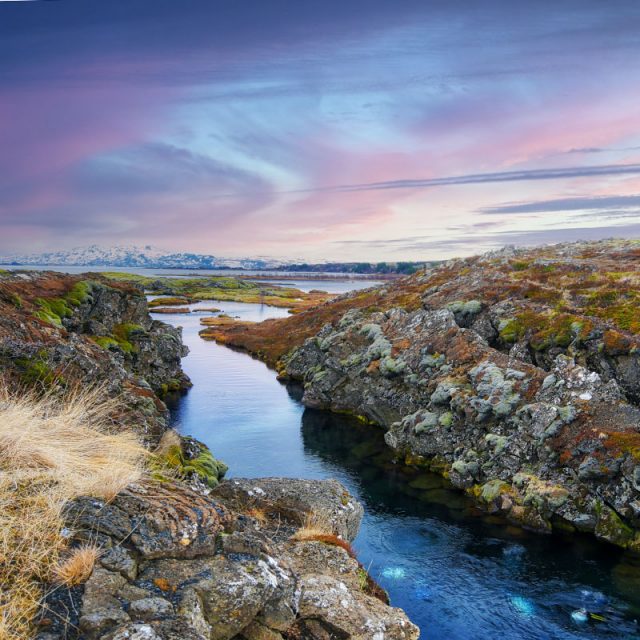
(515, 374)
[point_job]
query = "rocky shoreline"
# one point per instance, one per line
(178, 564)
(515, 375)
(182, 553)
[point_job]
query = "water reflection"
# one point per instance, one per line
(458, 573)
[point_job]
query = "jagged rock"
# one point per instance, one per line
(150, 609)
(159, 519)
(121, 560)
(481, 386)
(235, 579)
(59, 331)
(328, 605)
(296, 500)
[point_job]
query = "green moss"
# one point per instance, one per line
(545, 330)
(53, 310)
(122, 334)
(203, 464)
(510, 330)
(121, 338)
(446, 419)
(106, 342)
(37, 371)
(493, 489)
(80, 293)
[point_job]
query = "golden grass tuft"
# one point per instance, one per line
(52, 450)
(258, 514)
(77, 566)
(317, 528)
(314, 525)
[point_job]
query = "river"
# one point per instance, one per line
(459, 574)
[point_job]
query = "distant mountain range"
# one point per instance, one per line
(153, 258)
(139, 257)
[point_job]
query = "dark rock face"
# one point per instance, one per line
(530, 410)
(296, 499)
(59, 331)
(177, 564)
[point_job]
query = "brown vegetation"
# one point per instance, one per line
(51, 450)
(556, 293)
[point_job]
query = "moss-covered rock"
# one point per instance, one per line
(189, 459)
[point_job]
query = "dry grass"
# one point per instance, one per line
(51, 451)
(314, 525)
(258, 513)
(319, 529)
(77, 566)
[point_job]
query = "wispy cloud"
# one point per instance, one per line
(598, 203)
(284, 128)
(524, 175)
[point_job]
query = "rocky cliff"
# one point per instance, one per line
(178, 555)
(62, 332)
(240, 563)
(515, 374)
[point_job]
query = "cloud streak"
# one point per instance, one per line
(598, 203)
(524, 175)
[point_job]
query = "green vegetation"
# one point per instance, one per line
(120, 337)
(545, 329)
(106, 342)
(185, 457)
(122, 334)
(53, 310)
(169, 301)
(222, 288)
(16, 300)
(37, 371)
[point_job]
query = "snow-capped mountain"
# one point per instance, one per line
(133, 256)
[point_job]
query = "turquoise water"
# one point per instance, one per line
(460, 575)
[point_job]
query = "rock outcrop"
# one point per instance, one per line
(179, 564)
(59, 332)
(516, 375)
(181, 555)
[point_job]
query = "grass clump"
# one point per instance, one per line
(318, 528)
(77, 565)
(52, 450)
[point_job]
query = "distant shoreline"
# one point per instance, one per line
(247, 274)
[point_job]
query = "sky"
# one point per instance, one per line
(330, 130)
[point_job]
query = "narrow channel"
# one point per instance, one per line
(459, 574)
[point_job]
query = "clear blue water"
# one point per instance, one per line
(459, 574)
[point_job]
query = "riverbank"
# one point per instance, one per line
(525, 402)
(456, 569)
(104, 538)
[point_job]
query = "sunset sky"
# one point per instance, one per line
(350, 130)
